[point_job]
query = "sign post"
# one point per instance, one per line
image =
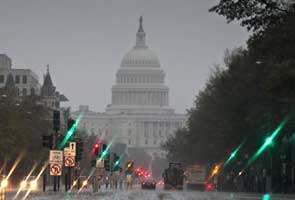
(70, 161)
(56, 161)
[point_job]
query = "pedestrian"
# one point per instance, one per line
(121, 178)
(107, 181)
(129, 181)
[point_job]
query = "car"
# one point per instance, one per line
(84, 181)
(148, 184)
(4, 183)
(29, 183)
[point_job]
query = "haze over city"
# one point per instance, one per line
(84, 42)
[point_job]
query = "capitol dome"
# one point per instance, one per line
(140, 57)
(140, 81)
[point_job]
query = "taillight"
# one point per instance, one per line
(209, 186)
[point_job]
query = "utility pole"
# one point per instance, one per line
(56, 127)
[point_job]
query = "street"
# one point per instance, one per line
(138, 193)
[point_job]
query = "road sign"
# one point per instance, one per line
(72, 146)
(100, 163)
(55, 169)
(69, 161)
(55, 157)
(68, 152)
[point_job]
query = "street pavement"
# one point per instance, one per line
(138, 194)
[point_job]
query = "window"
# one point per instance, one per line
(160, 133)
(146, 131)
(146, 142)
(17, 79)
(24, 79)
(129, 141)
(32, 91)
(1, 78)
(129, 132)
(24, 91)
(155, 141)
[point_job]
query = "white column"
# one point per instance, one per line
(114, 98)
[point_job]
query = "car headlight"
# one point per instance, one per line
(33, 184)
(23, 184)
(74, 183)
(4, 183)
(84, 183)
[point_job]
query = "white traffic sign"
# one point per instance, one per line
(68, 152)
(55, 156)
(55, 169)
(70, 161)
(72, 146)
(100, 163)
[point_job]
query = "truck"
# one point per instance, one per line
(173, 176)
(196, 177)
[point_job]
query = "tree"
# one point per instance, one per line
(22, 123)
(256, 15)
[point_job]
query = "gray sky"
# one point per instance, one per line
(85, 40)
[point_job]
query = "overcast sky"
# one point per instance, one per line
(84, 41)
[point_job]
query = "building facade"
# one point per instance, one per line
(26, 83)
(25, 80)
(139, 114)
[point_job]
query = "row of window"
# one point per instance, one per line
(140, 79)
(155, 142)
(24, 92)
(17, 79)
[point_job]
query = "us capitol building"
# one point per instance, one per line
(139, 114)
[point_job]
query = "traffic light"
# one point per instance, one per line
(79, 153)
(70, 124)
(104, 151)
(107, 164)
(129, 165)
(116, 162)
(47, 141)
(96, 149)
(56, 120)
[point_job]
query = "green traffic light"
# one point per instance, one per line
(268, 141)
(70, 132)
(233, 154)
(266, 197)
(117, 162)
(104, 154)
